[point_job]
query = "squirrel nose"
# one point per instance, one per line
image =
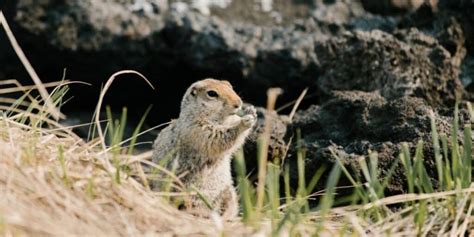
(238, 105)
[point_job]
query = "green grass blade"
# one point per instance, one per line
(328, 198)
(409, 172)
(437, 150)
(137, 130)
(467, 156)
(423, 180)
(244, 187)
(315, 179)
(455, 156)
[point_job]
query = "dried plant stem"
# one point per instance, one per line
(102, 95)
(297, 104)
(272, 95)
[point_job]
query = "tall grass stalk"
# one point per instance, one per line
(272, 95)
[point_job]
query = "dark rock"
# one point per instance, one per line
(449, 21)
(174, 48)
(311, 53)
(349, 126)
(340, 16)
(451, 24)
(391, 7)
(356, 115)
(412, 65)
(442, 24)
(354, 123)
(467, 75)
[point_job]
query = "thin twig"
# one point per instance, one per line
(297, 104)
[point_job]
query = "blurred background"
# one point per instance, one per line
(256, 44)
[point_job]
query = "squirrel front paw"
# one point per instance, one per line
(250, 116)
(250, 110)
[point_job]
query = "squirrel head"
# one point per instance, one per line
(211, 99)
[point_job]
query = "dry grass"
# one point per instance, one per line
(53, 183)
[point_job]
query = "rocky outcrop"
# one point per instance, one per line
(412, 65)
(309, 53)
(354, 123)
(350, 125)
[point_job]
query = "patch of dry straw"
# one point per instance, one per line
(41, 195)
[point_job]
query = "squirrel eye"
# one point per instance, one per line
(212, 94)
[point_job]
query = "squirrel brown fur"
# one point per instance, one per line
(199, 144)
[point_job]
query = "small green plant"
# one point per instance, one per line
(62, 161)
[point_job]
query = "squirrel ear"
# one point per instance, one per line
(193, 91)
(227, 83)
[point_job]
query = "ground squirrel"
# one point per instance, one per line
(211, 126)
